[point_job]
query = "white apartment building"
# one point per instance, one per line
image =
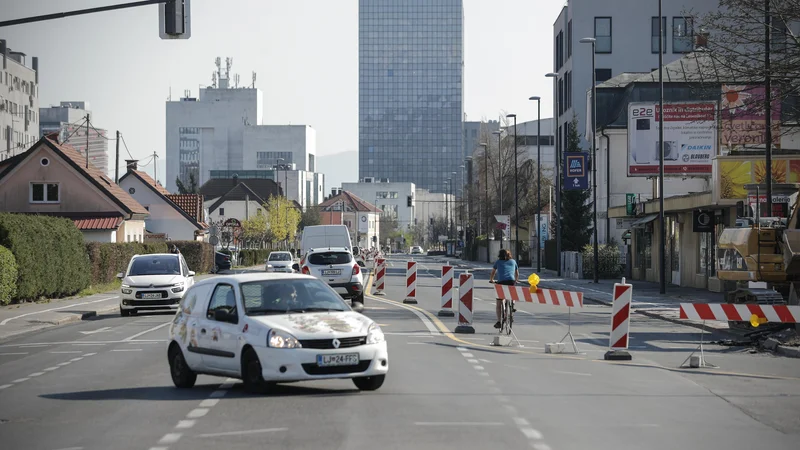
(65, 119)
(19, 102)
(302, 186)
(627, 41)
(266, 146)
(390, 197)
(532, 142)
(433, 205)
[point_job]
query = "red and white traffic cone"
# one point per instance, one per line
(380, 276)
(465, 304)
(447, 292)
(620, 323)
(411, 283)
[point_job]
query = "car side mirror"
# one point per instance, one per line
(191, 273)
(120, 275)
(361, 263)
(220, 315)
(296, 267)
(358, 307)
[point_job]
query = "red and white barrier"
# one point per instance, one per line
(740, 312)
(465, 284)
(620, 317)
(447, 292)
(411, 283)
(380, 276)
(543, 296)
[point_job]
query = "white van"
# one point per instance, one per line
(324, 236)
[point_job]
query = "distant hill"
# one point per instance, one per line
(338, 168)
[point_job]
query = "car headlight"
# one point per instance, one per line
(281, 339)
(375, 334)
(177, 287)
(126, 289)
(269, 266)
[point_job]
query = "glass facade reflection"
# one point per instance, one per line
(411, 56)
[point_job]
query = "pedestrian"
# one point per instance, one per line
(507, 272)
(175, 250)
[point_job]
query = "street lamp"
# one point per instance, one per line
(460, 204)
(593, 41)
(516, 190)
(447, 207)
(486, 194)
(500, 173)
(452, 204)
(538, 181)
(468, 193)
(556, 77)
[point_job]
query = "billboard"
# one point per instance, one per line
(743, 122)
(690, 138)
(576, 171)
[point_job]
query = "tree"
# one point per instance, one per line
(388, 227)
(191, 188)
(283, 218)
(310, 217)
(255, 231)
(576, 222)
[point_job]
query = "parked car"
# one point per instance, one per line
(417, 250)
(222, 261)
(273, 328)
(339, 269)
(154, 282)
(280, 262)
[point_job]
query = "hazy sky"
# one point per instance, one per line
(305, 54)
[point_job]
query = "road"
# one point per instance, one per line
(104, 384)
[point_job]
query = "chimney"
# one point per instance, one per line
(701, 40)
(132, 164)
(36, 67)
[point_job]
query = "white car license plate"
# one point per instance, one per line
(329, 272)
(348, 359)
(151, 296)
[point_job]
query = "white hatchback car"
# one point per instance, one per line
(280, 262)
(273, 328)
(154, 282)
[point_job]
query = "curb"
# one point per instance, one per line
(790, 352)
(43, 325)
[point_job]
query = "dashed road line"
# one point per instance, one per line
(13, 354)
(5, 386)
(239, 433)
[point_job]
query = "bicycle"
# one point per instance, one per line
(506, 314)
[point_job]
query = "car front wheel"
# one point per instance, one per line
(251, 373)
(182, 376)
(369, 383)
(124, 312)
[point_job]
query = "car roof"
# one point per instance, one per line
(329, 249)
(251, 277)
(280, 251)
(156, 254)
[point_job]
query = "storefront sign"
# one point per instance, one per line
(690, 138)
(702, 221)
(576, 174)
(624, 224)
(763, 199)
(743, 122)
(630, 204)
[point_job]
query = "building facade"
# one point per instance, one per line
(411, 72)
(477, 132)
(65, 119)
(391, 198)
(19, 102)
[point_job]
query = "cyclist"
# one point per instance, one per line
(507, 272)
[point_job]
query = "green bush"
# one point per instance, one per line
(199, 256)
(49, 252)
(8, 276)
(109, 259)
(253, 257)
(608, 258)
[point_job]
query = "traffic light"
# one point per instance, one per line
(174, 19)
(410, 200)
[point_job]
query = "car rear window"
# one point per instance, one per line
(327, 258)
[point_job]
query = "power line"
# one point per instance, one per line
(121, 136)
(75, 130)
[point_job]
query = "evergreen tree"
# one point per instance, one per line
(576, 206)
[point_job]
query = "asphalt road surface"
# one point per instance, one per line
(104, 384)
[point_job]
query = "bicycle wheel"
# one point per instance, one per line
(509, 316)
(503, 316)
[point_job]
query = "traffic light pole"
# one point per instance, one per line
(80, 12)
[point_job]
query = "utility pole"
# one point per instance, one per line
(155, 166)
(87, 141)
(768, 99)
(662, 249)
(116, 170)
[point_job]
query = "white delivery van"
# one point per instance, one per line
(324, 236)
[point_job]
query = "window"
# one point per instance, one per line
(569, 39)
(779, 33)
(392, 194)
(560, 97)
(568, 89)
(602, 33)
(312, 166)
(44, 193)
(682, 34)
(222, 211)
(602, 75)
(654, 34)
(184, 267)
(223, 299)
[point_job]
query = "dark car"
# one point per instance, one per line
(221, 262)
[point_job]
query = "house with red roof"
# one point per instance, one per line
(56, 180)
(361, 217)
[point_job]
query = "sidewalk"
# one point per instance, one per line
(25, 318)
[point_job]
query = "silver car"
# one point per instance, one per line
(280, 262)
(339, 269)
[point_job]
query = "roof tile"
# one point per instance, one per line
(351, 200)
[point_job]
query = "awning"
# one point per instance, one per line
(644, 220)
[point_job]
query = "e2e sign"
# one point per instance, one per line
(643, 112)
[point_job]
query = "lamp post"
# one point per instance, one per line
(516, 190)
(460, 204)
(593, 42)
(452, 204)
(486, 194)
(556, 115)
(468, 193)
(538, 181)
(662, 286)
(500, 173)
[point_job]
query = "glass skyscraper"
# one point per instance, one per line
(411, 73)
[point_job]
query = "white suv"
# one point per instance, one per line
(338, 268)
(154, 282)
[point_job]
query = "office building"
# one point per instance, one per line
(390, 197)
(19, 102)
(476, 133)
(68, 120)
(411, 91)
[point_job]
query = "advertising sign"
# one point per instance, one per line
(743, 122)
(544, 227)
(630, 204)
(702, 221)
(504, 223)
(690, 138)
(576, 173)
(363, 224)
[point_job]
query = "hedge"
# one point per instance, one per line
(50, 255)
(253, 257)
(608, 258)
(110, 258)
(8, 276)
(199, 256)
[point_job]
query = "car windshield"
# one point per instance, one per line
(289, 296)
(328, 258)
(155, 265)
(280, 257)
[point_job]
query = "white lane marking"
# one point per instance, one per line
(483, 374)
(36, 374)
(142, 333)
(170, 438)
(76, 359)
(32, 345)
(49, 369)
(530, 433)
(237, 433)
(427, 322)
(417, 343)
(142, 342)
(89, 354)
(598, 341)
(478, 367)
(12, 354)
(511, 410)
(458, 424)
(197, 413)
(540, 446)
(64, 363)
(159, 448)
(461, 349)
(184, 424)
(126, 350)
(208, 403)
(468, 355)
(86, 344)
(56, 309)
(66, 353)
(473, 361)
(5, 386)
(99, 330)
(573, 373)
(20, 380)
(484, 360)
(520, 421)
(47, 344)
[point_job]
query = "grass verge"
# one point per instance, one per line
(100, 288)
